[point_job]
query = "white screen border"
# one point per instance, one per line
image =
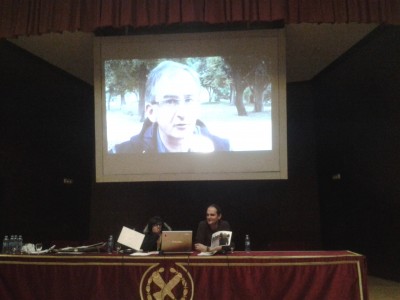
(247, 165)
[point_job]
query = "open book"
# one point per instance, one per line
(219, 238)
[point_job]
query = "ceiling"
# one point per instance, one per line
(309, 48)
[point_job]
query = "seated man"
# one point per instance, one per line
(207, 227)
(172, 110)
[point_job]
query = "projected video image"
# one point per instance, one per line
(193, 104)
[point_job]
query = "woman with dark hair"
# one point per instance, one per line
(152, 231)
(207, 227)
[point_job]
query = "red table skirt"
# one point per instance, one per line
(257, 275)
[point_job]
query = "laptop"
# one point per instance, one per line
(176, 242)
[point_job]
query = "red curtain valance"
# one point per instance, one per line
(33, 17)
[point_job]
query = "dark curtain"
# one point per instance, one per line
(33, 17)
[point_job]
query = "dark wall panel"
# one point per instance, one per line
(358, 134)
(47, 136)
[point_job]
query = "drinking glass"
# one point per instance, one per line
(38, 247)
(232, 248)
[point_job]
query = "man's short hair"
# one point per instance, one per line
(166, 67)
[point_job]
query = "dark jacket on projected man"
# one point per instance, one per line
(147, 140)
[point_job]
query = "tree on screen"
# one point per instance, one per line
(119, 79)
(214, 76)
(248, 72)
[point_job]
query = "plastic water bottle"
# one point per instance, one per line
(12, 244)
(6, 243)
(110, 244)
(247, 243)
(20, 244)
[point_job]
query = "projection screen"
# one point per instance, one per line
(192, 106)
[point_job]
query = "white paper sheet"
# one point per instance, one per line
(131, 238)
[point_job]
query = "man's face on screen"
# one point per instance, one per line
(177, 106)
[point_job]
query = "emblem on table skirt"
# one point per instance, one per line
(159, 283)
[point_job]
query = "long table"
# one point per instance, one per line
(255, 275)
